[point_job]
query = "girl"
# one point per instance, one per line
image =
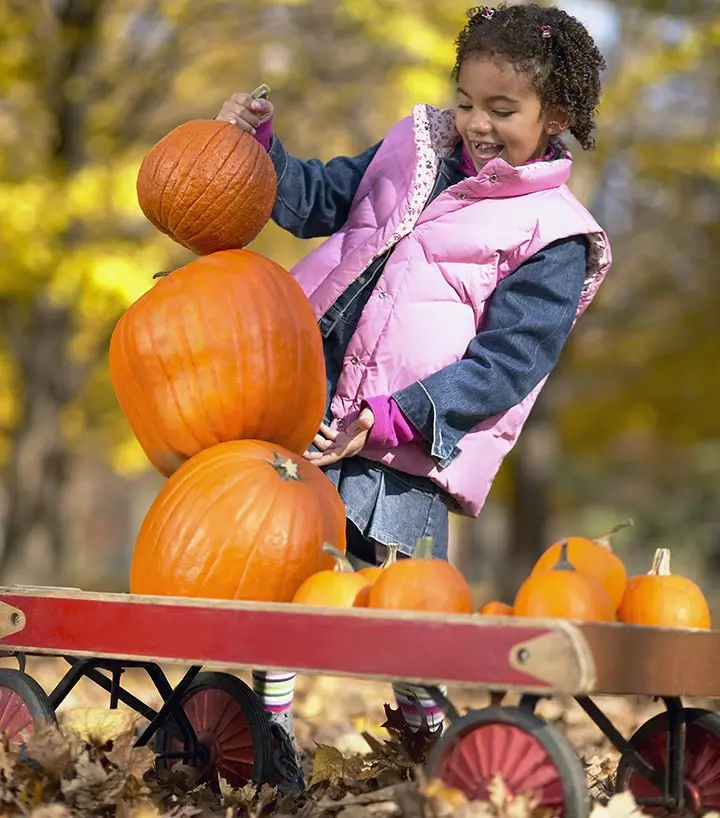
(457, 264)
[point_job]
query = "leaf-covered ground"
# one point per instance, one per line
(354, 766)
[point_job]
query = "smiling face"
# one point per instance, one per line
(499, 113)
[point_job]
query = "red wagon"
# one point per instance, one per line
(212, 720)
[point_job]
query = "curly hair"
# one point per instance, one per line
(548, 45)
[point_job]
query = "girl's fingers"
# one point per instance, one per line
(241, 118)
(329, 433)
(322, 442)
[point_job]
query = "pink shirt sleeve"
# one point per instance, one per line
(391, 427)
(264, 132)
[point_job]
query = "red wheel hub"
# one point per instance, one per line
(477, 756)
(222, 728)
(701, 775)
(15, 717)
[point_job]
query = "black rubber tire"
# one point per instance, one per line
(561, 753)
(31, 693)
(252, 710)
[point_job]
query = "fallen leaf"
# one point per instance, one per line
(622, 805)
(98, 725)
(328, 766)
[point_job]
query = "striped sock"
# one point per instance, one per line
(274, 689)
(415, 702)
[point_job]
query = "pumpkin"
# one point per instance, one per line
(421, 583)
(592, 557)
(663, 599)
(242, 520)
(224, 348)
(208, 185)
(340, 587)
(565, 593)
(495, 608)
(372, 572)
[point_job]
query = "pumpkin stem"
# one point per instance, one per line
(287, 469)
(661, 563)
(391, 557)
(342, 563)
(261, 92)
(606, 540)
(563, 563)
(423, 549)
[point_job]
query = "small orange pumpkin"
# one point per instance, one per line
(496, 608)
(208, 185)
(565, 593)
(241, 520)
(341, 587)
(592, 557)
(225, 348)
(421, 583)
(664, 600)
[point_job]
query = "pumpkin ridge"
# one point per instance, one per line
(219, 496)
(216, 194)
(178, 411)
(161, 198)
(255, 210)
(200, 399)
(298, 521)
(221, 213)
(180, 191)
(238, 359)
(177, 494)
(122, 339)
(272, 286)
(258, 533)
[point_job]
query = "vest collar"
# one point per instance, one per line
(436, 136)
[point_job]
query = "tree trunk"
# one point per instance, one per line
(39, 461)
(34, 485)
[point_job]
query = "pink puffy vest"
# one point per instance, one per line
(430, 300)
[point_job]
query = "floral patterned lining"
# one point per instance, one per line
(435, 137)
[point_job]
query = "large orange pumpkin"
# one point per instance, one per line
(208, 185)
(421, 583)
(241, 520)
(225, 348)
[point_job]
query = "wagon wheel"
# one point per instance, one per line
(232, 727)
(22, 701)
(701, 776)
(530, 755)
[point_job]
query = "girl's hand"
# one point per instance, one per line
(334, 445)
(246, 112)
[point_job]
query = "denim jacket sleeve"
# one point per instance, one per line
(313, 197)
(528, 321)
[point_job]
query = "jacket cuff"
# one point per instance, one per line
(417, 405)
(279, 157)
(391, 428)
(263, 133)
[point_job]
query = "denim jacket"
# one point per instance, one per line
(528, 321)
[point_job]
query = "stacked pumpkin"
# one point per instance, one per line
(219, 371)
(584, 579)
